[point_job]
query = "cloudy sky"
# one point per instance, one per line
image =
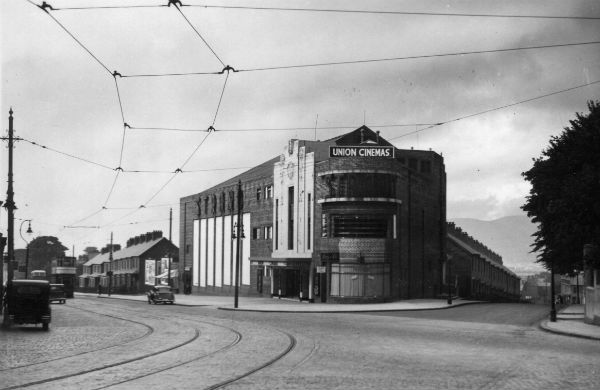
(66, 99)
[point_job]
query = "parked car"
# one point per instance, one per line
(27, 302)
(58, 293)
(160, 294)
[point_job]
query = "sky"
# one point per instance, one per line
(70, 109)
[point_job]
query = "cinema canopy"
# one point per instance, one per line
(349, 219)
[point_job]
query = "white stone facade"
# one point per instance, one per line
(295, 169)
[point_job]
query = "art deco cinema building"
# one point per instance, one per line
(350, 219)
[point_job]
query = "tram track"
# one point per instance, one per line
(149, 331)
(270, 362)
(104, 367)
(55, 381)
(290, 347)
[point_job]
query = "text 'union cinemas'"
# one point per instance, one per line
(361, 151)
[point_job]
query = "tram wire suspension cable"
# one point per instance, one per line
(374, 60)
(44, 7)
(496, 109)
(333, 10)
(177, 7)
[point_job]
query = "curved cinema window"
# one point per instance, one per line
(359, 225)
(360, 185)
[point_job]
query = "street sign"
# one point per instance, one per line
(321, 269)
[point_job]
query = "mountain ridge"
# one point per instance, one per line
(509, 236)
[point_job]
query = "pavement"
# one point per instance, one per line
(569, 319)
(569, 322)
(286, 305)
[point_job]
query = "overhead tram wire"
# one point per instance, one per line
(87, 217)
(399, 13)
(497, 108)
(125, 125)
(112, 188)
(44, 7)
(366, 61)
(122, 170)
(210, 130)
(348, 11)
(278, 128)
(179, 170)
(65, 153)
(352, 62)
(100, 7)
(194, 28)
(215, 169)
(171, 74)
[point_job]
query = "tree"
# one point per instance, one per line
(564, 200)
(41, 251)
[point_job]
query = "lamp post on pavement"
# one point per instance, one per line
(577, 300)
(552, 300)
(449, 280)
(29, 231)
(238, 235)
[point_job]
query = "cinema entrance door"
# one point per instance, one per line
(290, 279)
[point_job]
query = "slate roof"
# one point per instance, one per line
(130, 251)
(470, 249)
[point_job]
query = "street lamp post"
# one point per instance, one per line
(449, 257)
(238, 234)
(552, 300)
(29, 231)
(10, 203)
(110, 265)
(170, 260)
(577, 300)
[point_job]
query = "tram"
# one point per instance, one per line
(63, 272)
(38, 274)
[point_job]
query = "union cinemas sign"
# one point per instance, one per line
(362, 151)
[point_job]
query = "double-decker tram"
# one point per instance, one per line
(63, 272)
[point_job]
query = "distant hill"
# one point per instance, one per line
(510, 237)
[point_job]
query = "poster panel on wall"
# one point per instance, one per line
(149, 272)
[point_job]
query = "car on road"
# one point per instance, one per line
(58, 293)
(160, 294)
(27, 302)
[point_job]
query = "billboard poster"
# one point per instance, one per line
(150, 272)
(164, 265)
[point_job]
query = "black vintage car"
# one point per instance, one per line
(160, 294)
(58, 293)
(27, 302)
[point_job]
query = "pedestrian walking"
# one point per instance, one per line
(99, 289)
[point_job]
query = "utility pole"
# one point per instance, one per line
(170, 227)
(10, 203)
(449, 276)
(552, 301)
(238, 236)
(2, 244)
(110, 260)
